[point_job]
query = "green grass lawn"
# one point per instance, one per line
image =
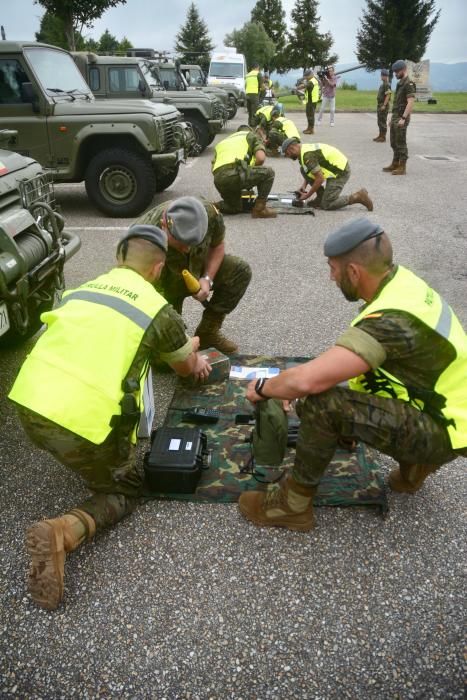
(365, 101)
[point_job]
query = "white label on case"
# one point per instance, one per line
(174, 444)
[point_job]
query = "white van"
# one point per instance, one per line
(228, 68)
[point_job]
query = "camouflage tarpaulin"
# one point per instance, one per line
(352, 478)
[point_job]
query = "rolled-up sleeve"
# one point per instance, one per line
(363, 345)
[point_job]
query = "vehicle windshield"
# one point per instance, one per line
(151, 75)
(226, 70)
(57, 73)
(194, 77)
(170, 78)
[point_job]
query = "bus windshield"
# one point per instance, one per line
(226, 70)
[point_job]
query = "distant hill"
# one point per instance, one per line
(444, 77)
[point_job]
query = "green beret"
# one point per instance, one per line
(349, 236)
(289, 142)
(153, 234)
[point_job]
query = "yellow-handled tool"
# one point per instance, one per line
(192, 284)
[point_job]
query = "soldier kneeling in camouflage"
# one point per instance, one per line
(79, 392)
(405, 358)
(196, 233)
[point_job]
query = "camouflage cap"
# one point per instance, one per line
(384, 71)
(187, 220)
(289, 142)
(153, 234)
(399, 65)
(349, 236)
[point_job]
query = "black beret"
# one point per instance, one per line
(399, 65)
(153, 234)
(349, 236)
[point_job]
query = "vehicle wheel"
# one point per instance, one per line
(120, 183)
(232, 107)
(13, 337)
(201, 131)
(211, 138)
(164, 180)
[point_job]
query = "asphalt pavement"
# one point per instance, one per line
(191, 601)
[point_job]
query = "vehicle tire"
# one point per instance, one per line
(164, 180)
(120, 183)
(232, 107)
(211, 139)
(13, 338)
(201, 132)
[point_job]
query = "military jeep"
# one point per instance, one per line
(124, 150)
(33, 245)
(196, 80)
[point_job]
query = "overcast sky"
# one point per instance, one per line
(152, 23)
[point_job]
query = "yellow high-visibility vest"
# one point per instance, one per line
(331, 161)
(73, 375)
(265, 112)
(315, 91)
(234, 147)
(288, 127)
(407, 292)
(251, 83)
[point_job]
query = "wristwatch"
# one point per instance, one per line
(259, 387)
(211, 282)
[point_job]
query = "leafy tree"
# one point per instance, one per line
(271, 15)
(252, 41)
(52, 31)
(108, 42)
(393, 29)
(76, 14)
(124, 45)
(307, 47)
(193, 42)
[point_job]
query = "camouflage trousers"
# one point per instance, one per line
(331, 197)
(382, 116)
(231, 180)
(310, 109)
(232, 280)
(252, 104)
(398, 136)
(116, 484)
(391, 426)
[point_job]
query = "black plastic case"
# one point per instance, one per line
(175, 460)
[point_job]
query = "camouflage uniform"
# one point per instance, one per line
(405, 89)
(232, 278)
(109, 469)
(382, 114)
(230, 180)
(328, 197)
(407, 349)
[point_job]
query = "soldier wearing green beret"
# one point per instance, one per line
(79, 395)
(404, 358)
(401, 110)
(196, 242)
(383, 100)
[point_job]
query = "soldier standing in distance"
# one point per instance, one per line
(253, 87)
(401, 110)
(382, 105)
(405, 359)
(311, 87)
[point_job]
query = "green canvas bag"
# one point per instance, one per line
(269, 439)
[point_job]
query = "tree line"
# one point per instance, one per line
(389, 30)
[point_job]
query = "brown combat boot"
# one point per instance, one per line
(409, 478)
(210, 335)
(361, 197)
(390, 168)
(260, 210)
(380, 139)
(400, 170)
(47, 543)
(288, 505)
(309, 130)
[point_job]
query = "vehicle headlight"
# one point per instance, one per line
(160, 131)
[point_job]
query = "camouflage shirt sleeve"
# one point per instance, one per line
(216, 225)
(364, 345)
(311, 161)
(166, 339)
(254, 143)
(410, 89)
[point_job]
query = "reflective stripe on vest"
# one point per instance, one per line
(73, 376)
(251, 82)
(407, 292)
(331, 161)
(288, 127)
(234, 147)
(314, 92)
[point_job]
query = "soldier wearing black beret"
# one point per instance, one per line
(401, 110)
(404, 362)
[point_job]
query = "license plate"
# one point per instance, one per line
(4, 320)
(181, 154)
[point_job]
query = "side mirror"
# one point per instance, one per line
(142, 87)
(28, 94)
(166, 84)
